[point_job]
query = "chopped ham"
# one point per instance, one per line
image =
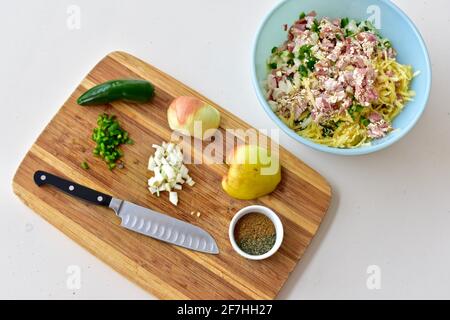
(378, 129)
(375, 117)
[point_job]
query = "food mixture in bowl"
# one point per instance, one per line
(337, 81)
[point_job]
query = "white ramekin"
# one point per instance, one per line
(268, 213)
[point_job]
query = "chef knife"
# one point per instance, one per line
(137, 218)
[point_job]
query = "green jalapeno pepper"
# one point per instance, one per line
(140, 91)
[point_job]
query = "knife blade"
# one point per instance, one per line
(163, 227)
(137, 218)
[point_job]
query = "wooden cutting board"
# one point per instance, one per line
(167, 271)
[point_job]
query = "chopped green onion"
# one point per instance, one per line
(315, 27)
(306, 48)
(328, 132)
(274, 50)
(364, 121)
(303, 71)
(356, 108)
(359, 108)
(311, 64)
(345, 22)
(302, 16)
(273, 65)
(304, 51)
(85, 165)
(290, 77)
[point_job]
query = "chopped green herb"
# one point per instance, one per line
(273, 65)
(306, 48)
(364, 121)
(274, 50)
(109, 136)
(303, 71)
(290, 62)
(359, 108)
(328, 132)
(302, 16)
(345, 22)
(356, 108)
(85, 165)
(304, 52)
(338, 36)
(311, 64)
(315, 27)
(348, 33)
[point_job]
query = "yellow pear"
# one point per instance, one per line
(253, 173)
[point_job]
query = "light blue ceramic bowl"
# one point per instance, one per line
(394, 24)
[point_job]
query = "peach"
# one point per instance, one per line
(191, 116)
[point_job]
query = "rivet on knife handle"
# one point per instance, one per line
(74, 189)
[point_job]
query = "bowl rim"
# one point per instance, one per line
(345, 152)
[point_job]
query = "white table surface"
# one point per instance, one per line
(390, 209)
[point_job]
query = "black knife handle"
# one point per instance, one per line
(74, 189)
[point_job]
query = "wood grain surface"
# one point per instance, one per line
(167, 271)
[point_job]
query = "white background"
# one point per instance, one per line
(390, 209)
